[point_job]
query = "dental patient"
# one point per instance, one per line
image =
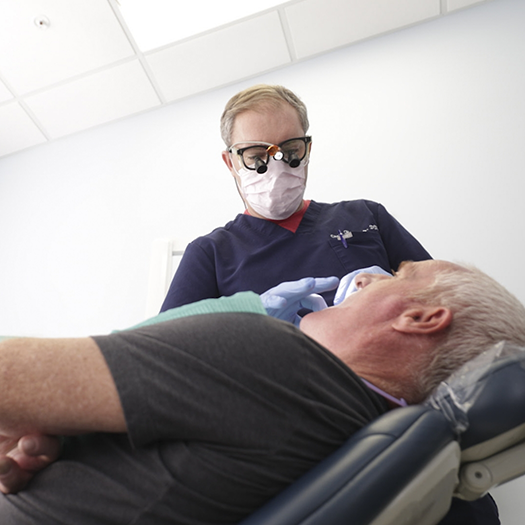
(203, 418)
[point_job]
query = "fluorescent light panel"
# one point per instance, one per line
(155, 23)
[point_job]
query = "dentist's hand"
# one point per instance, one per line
(347, 285)
(286, 299)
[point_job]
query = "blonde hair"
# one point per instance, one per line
(484, 313)
(257, 97)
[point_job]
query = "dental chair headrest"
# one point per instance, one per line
(500, 406)
(485, 400)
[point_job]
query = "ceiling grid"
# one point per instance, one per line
(66, 66)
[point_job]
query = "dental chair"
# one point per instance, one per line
(405, 467)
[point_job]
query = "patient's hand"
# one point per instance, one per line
(21, 459)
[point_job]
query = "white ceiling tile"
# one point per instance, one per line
(227, 55)
(95, 99)
(5, 94)
(17, 130)
(452, 5)
(157, 23)
(317, 26)
(81, 35)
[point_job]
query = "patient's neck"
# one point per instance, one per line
(394, 402)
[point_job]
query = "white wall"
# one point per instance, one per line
(429, 121)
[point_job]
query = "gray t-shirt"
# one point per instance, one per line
(223, 412)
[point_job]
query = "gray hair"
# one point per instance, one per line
(257, 97)
(484, 313)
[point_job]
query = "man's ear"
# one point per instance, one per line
(423, 320)
(227, 160)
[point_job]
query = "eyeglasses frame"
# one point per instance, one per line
(307, 139)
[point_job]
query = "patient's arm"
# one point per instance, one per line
(21, 459)
(57, 387)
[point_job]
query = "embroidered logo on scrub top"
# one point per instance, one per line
(345, 234)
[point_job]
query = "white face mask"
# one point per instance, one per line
(276, 194)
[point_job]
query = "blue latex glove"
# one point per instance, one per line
(347, 285)
(286, 299)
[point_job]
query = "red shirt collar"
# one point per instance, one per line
(292, 222)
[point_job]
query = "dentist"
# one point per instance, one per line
(281, 236)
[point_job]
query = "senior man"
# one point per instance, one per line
(204, 418)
